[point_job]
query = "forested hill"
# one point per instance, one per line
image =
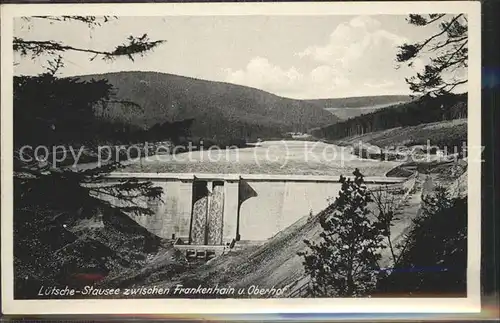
(346, 108)
(412, 113)
(220, 110)
(360, 101)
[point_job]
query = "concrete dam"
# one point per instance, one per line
(215, 209)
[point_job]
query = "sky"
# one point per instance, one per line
(301, 57)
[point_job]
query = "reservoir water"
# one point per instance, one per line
(272, 157)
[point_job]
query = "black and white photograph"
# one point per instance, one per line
(226, 152)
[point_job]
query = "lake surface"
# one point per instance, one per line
(272, 157)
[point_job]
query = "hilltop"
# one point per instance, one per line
(345, 108)
(219, 109)
(359, 101)
(224, 110)
(413, 113)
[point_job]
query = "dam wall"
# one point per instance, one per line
(276, 205)
(215, 209)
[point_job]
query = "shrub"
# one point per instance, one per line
(344, 263)
(433, 260)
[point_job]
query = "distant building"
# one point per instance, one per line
(299, 135)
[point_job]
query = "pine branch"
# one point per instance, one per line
(91, 21)
(410, 51)
(444, 30)
(452, 86)
(448, 42)
(419, 20)
(136, 45)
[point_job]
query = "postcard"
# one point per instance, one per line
(241, 158)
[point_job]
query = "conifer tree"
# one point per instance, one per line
(344, 262)
(448, 54)
(48, 111)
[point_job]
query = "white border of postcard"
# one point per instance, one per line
(240, 306)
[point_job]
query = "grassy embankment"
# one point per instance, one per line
(276, 263)
(450, 133)
(415, 147)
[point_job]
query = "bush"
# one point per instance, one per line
(344, 263)
(433, 260)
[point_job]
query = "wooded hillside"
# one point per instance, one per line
(426, 110)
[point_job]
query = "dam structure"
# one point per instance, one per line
(220, 209)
